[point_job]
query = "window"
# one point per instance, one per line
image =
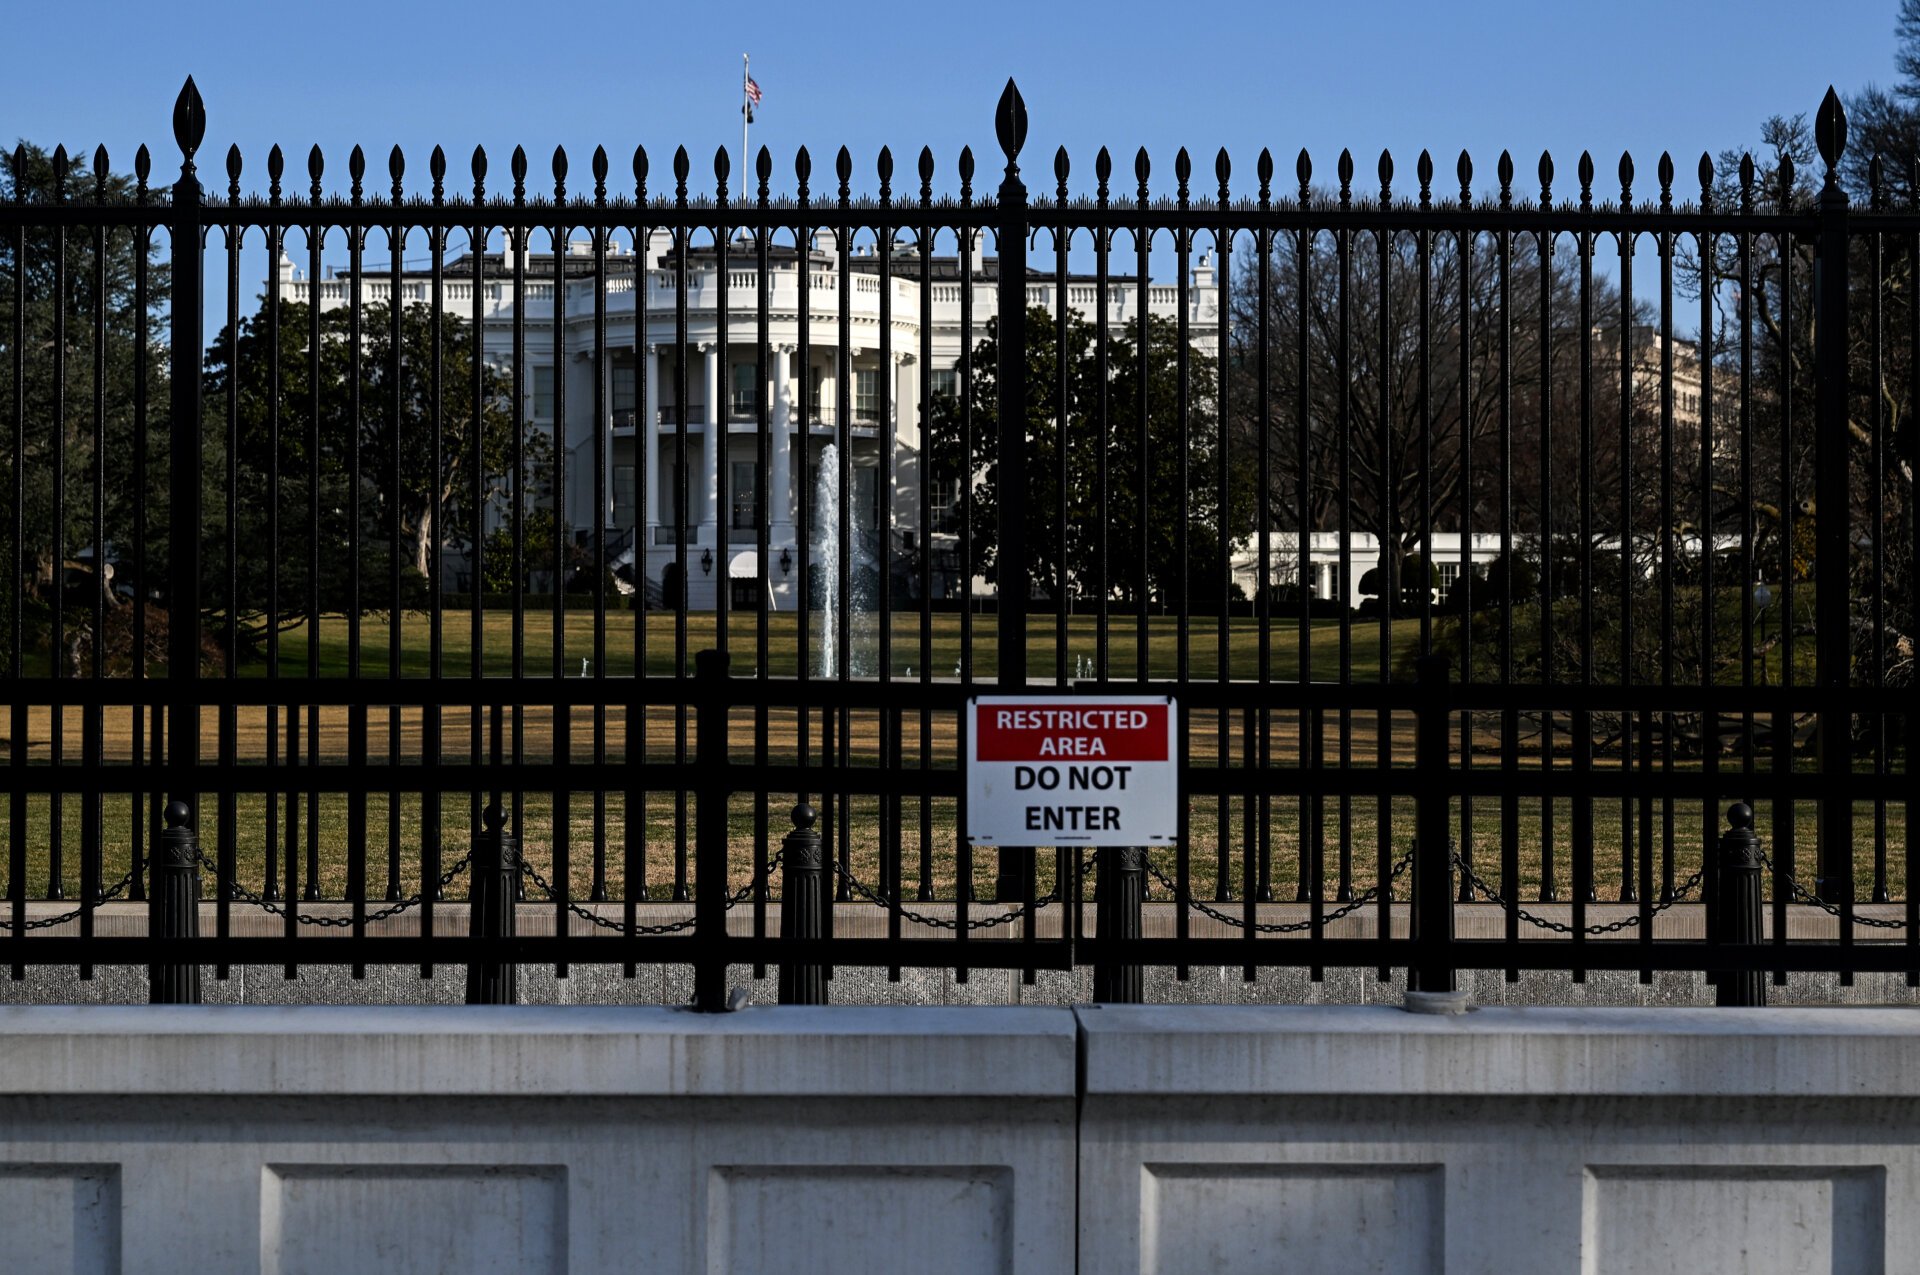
(543, 393)
(669, 491)
(623, 494)
(866, 394)
(866, 491)
(815, 375)
(740, 404)
(945, 500)
(944, 381)
(1449, 572)
(623, 387)
(745, 503)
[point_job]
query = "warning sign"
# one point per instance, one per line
(1048, 772)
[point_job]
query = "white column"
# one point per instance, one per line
(716, 446)
(650, 415)
(780, 475)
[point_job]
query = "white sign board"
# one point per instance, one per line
(1062, 770)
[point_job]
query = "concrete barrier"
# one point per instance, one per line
(847, 1139)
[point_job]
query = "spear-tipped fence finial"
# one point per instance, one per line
(189, 122)
(1830, 134)
(1010, 124)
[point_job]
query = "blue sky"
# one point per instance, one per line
(1631, 74)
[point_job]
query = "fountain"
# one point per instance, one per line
(862, 640)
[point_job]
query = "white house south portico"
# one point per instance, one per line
(682, 409)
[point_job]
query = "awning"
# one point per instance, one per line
(745, 565)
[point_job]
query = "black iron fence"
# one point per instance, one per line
(1516, 614)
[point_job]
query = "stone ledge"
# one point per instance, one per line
(534, 1052)
(1181, 1051)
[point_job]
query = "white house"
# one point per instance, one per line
(645, 422)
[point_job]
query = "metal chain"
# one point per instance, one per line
(738, 897)
(51, 921)
(939, 923)
(333, 922)
(1801, 893)
(1611, 927)
(1288, 927)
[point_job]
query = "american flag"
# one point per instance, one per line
(753, 91)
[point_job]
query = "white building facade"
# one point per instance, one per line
(647, 424)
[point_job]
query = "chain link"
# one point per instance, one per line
(49, 922)
(334, 922)
(1287, 927)
(738, 897)
(1801, 893)
(1611, 927)
(939, 923)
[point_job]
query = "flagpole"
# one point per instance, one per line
(746, 119)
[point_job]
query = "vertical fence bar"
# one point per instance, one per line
(183, 481)
(91, 885)
(1012, 574)
(1120, 890)
(396, 245)
(1669, 515)
(276, 246)
(927, 241)
(1182, 550)
(764, 493)
(1624, 524)
(1544, 629)
(142, 483)
(560, 841)
(18, 724)
(432, 717)
(1433, 864)
(602, 515)
(227, 851)
(1832, 539)
(711, 703)
(316, 236)
(56, 426)
(1343, 244)
(358, 725)
(1258, 888)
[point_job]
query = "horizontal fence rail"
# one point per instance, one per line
(566, 575)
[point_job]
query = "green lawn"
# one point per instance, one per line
(743, 636)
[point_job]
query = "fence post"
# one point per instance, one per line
(803, 904)
(173, 906)
(710, 832)
(1736, 912)
(1833, 497)
(496, 866)
(1011, 573)
(1118, 893)
(184, 460)
(1430, 979)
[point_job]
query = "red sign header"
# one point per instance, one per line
(1071, 731)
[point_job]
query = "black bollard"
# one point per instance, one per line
(803, 907)
(496, 865)
(1118, 894)
(173, 906)
(1739, 907)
